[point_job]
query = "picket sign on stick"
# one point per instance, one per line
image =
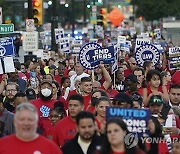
(92, 72)
(114, 80)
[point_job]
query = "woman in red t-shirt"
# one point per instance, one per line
(100, 108)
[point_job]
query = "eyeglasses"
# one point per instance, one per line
(136, 97)
(55, 116)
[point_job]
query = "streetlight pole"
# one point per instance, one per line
(85, 1)
(54, 19)
(73, 18)
(30, 9)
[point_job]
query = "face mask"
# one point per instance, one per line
(46, 92)
(94, 101)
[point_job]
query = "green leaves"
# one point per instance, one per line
(154, 10)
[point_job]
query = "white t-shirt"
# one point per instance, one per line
(84, 146)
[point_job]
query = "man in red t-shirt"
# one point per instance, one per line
(44, 104)
(65, 129)
(26, 140)
(132, 66)
(86, 89)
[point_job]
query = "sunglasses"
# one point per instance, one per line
(136, 97)
(119, 103)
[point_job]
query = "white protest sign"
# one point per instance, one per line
(45, 55)
(30, 41)
(9, 64)
(157, 33)
(121, 39)
(59, 33)
(64, 44)
(140, 41)
(145, 35)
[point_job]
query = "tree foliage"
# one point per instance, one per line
(154, 10)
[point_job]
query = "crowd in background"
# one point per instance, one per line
(71, 102)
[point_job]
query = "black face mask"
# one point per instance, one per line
(94, 101)
(45, 98)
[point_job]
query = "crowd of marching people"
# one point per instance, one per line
(56, 106)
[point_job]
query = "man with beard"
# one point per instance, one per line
(13, 77)
(174, 95)
(86, 141)
(11, 90)
(131, 84)
(119, 84)
(44, 104)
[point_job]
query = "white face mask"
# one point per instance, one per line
(46, 92)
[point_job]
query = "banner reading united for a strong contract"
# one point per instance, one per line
(136, 119)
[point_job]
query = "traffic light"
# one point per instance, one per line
(37, 12)
(102, 18)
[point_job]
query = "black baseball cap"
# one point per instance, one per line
(52, 67)
(132, 78)
(30, 94)
(155, 99)
(123, 97)
(46, 81)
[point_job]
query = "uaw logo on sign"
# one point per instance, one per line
(6, 47)
(147, 52)
(92, 53)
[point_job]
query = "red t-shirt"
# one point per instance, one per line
(44, 108)
(113, 152)
(149, 91)
(176, 77)
(58, 79)
(127, 72)
(22, 75)
(90, 109)
(64, 131)
(99, 123)
(140, 91)
(71, 93)
(87, 100)
(12, 145)
(28, 75)
(49, 132)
